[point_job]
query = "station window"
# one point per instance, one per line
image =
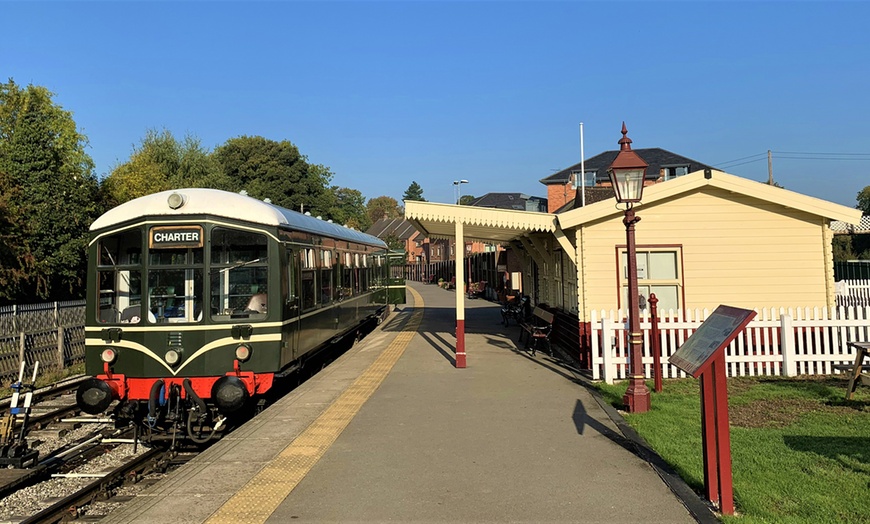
(659, 272)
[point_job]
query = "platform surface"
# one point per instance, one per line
(393, 432)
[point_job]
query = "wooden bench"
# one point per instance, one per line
(538, 328)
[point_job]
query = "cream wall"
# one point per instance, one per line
(736, 250)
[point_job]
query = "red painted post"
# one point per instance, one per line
(723, 436)
(656, 342)
(460, 343)
(708, 436)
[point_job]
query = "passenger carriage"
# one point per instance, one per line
(199, 299)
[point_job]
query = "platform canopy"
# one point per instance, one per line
(490, 225)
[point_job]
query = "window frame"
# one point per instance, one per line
(678, 281)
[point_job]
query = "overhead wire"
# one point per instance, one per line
(792, 155)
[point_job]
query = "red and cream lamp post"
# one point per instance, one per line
(627, 175)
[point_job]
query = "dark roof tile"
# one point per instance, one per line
(654, 156)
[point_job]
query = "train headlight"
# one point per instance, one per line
(175, 200)
(172, 357)
(108, 355)
(243, 352)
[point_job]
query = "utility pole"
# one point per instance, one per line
(769, 169)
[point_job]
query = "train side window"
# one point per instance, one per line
(327, 286)
(238, 275)
(347, 276)
(308, 292)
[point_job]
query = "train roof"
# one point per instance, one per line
(214, 202)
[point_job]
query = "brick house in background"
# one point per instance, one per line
(663, 165)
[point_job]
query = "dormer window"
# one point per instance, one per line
(588, 179)
(671, 172)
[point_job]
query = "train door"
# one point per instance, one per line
(290, 291)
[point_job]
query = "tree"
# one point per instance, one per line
(864, 200)
(466, 200)
(44, 164)
(349, 208)
(414, 192)
(383, 207)
(162, 162)
(276, 170)
(394, 243)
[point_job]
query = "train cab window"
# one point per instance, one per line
(238, 275)
(119, 296)
(119, 278)
(175, 276)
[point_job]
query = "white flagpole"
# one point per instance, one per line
(582, 169)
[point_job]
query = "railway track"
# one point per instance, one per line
(102, 468)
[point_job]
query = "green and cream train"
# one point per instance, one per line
(198, 300)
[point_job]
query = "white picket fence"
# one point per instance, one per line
(787, 342)
(853, 292)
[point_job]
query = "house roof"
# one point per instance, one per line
(656, 157)
(397, 227)
(501, 225)
(593, 194)
(717, 179)
(505, 200)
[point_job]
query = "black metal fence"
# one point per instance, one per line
(852, 270)
(52, 333)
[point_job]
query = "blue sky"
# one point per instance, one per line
(386, 93)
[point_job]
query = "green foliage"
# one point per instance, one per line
(799, 450)
(466, 200)
(864, 200)
(383, 207)
(277, 171)
(851, 247)
(50, 197)
(349, 208)
(414, 192)
(394, 242)
(842, 248)
(162, 162)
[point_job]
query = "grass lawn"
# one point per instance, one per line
(800, 451)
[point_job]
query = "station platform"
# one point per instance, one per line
(393, 432)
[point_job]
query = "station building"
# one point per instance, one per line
(705, 238)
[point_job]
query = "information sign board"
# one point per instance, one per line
(703, 357)
(715, 333)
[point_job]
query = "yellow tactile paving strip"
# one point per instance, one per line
(259, 498)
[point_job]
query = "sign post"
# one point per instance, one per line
(703, 357)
